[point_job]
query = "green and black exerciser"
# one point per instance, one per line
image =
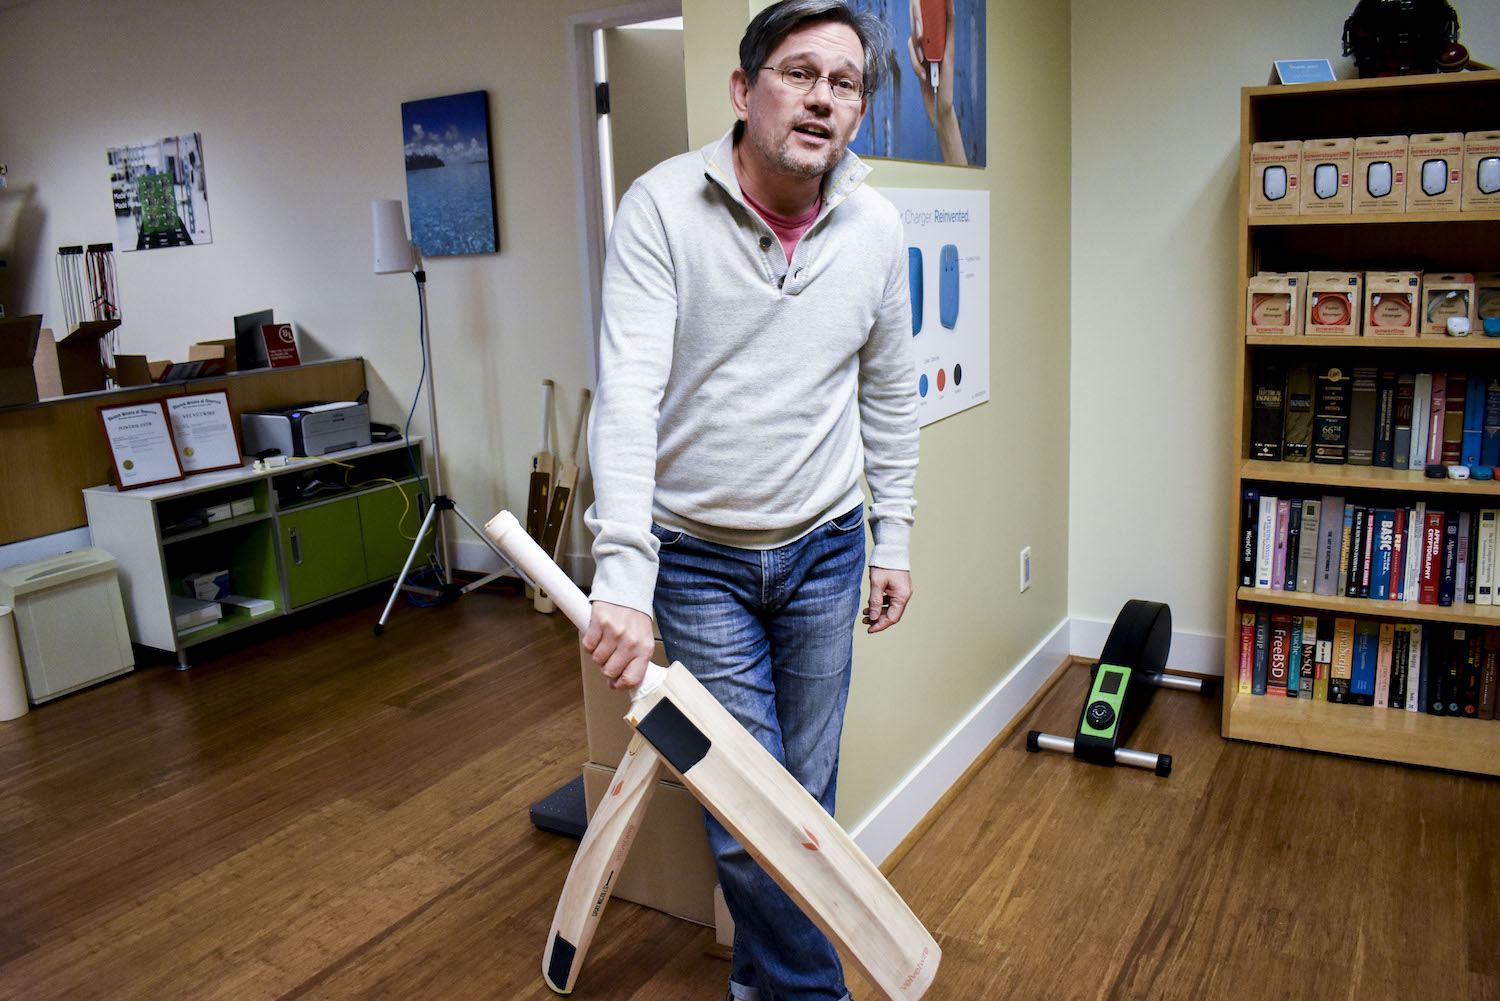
(1131, 668)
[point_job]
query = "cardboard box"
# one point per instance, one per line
(1327, 165)
(1380, 175)
(670, 867)
(1275, 169)
(19, 337)
(1481, 171)
(1391, 303)
(73, 364)
(1445, 296)
(1334, 301)
(1274, 304)
(205, 350)
(604, 710)
(209, 585)
(133, 370)
(1434, 172)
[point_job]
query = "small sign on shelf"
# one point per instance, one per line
(1301, 71)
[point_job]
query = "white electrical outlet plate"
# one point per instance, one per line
(1025, 568)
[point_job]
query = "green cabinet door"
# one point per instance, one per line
(322, 550)
(390, 524)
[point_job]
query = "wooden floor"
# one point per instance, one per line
(328, 815)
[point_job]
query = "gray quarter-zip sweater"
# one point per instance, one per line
(741, 395)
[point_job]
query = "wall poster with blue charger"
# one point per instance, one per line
(931, 108)
(948, 274)
(448, 181)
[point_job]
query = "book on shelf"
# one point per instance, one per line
(1262, 652)
(1473, 420)
(1247, 650)
(1267, 419)
(1489, 445)
(1294, 659)
(1265, 550)
(1421, 416)
(1385, 419)
(1278, 657)
(1436, 408)
(1341, 670)
(1323, 657)
(1331, 417)
(1362, 404)
(1362, 671)
(1330, 536)
(1307, 547)
(1278, 563)
(1489, 667)
(1309, 674)
(1249, 521)
(1298, 418)
(1401, 442)
(1453, 418)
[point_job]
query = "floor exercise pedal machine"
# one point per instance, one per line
(1131, 668)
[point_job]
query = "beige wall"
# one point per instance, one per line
(992, 479)
(1155, 123)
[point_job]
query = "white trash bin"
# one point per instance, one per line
(69, 620)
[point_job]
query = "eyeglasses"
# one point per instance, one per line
(804, 79)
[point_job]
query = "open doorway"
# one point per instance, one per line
(632, 115)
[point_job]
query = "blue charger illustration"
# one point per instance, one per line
(948, 286)
(914, 282)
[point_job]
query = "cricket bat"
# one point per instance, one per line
(560, 505)
(541, 474)
(782, 827)
(596, 866)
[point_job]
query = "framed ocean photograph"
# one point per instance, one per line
(448, 182)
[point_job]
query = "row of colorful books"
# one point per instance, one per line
(1442, 670)
(1374, 417)
(1423, 553)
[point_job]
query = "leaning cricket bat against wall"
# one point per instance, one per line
(596, 867)
(782, 827)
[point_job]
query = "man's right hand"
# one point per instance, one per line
(620, 640)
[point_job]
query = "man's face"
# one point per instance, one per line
(788, 132)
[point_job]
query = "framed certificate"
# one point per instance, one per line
(140, 444)
(204, 432)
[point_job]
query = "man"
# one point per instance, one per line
(754, 358)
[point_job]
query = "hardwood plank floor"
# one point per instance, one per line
(329, 815)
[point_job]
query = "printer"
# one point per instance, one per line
(313, 428)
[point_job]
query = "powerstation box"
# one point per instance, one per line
(1275, 168)
(1380, 175)
(1434, 172)
(1327, 166)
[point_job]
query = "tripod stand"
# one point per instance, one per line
(446, 591)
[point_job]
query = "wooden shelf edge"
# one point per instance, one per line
(1375, 219)
(1457, 615)
(1334, 478)
(1443, 343)
(1464, 745)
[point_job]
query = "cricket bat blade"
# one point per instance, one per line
(778, 822)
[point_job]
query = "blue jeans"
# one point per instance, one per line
(771, 634)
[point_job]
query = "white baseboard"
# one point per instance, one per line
(898, 814)
(1191, 653)
(883, 829)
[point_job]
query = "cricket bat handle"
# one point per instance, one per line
(529, 558)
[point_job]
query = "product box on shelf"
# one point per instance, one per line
(1334, 301)
(1391, 303)
(1434, 172)
(1275, 168)
(1444, 297)
(1380, 174)
(1327, 165)
(1274, 303)
(1487, 301)
(1481, 171)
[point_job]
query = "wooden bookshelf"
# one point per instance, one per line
(1454, 241)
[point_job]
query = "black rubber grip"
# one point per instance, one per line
(1164, 765)
(561, 966)
(674, 736)
(1032, 743)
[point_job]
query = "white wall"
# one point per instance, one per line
(1155, 127)
(299, 108)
